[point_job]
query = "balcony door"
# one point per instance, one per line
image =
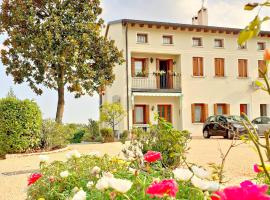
(165, 78)
(165, 112)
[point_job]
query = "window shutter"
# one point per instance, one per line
(193, 113)
(205, 112)
(227, 109)
(133, 116)
(216, 67)
(195, 66)
(132, 67)
(222, 67)
(245, 69)
(201, 66)
(215, 109)
(261, 68)
(240, 68)
(147, 114)
(170, 76)
(146, 67)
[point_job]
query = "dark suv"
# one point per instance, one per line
(222, 125)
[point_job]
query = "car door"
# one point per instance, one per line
(258, 122)
(265, 124)
(221, 125)
(211, 124)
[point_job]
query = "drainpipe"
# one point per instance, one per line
(127, 76)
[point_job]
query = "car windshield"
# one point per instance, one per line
(235, 118)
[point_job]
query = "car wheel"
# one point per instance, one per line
(230, 134)
(206, 134)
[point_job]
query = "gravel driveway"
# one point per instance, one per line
(14, 171)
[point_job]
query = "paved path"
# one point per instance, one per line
(238, 166)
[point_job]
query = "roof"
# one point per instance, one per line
(175, 26)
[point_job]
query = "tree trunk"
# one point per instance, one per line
(60, 105)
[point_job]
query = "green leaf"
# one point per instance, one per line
(244, 36)
(250, 6)
(265, 19)
(258, 83)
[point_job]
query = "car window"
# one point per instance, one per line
(257, 121)
(235, 118)
(265, 120)
(221, 119)
(211, 119)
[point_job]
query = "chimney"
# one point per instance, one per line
(203, 16)
(195, 20)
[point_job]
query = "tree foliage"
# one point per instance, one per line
(57, 44)
(112, 114)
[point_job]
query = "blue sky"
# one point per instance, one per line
(221, 13)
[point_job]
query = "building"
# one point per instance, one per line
(185, 72)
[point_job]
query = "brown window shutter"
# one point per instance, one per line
(147, 114)
(216, 67)
(222, 67)
(133, 116)
(193, 113)
(201, 66)
(205, 112)
(133, 67)
(227, 109)
(245, 68)
(146, 67)
(215, 109)
(195, 66)
(240, 68)
(261, 68)
(157, 77)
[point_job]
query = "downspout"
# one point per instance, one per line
(127, 76)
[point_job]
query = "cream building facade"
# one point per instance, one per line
(185, 73)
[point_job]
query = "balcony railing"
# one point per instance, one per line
(154, 81)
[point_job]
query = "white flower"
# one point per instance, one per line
(76, 189)
(181, 174)
(200, 172)
(90, 184)
(102, 184)
(204, 184)
(107, 175)
(94, 153)
(73, 154)
(120, 185)
(95, 170)
(64, 174)
(81, 195)
(44, 158)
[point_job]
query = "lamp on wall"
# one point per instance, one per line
(174, 62)
(151, 60)
(153, 108)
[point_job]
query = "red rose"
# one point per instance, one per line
(33, 178)
(160, 189)
(152, 156)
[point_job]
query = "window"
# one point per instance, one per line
(139, 67)
(261, 46)
(219, 67)
(243, 109)
(263, 110)
(219, 43)
(142, 38)
(167, 39)
(197, 66)
(243, 46)
(197, 42)
(141, 114)
(199, 112)
(165, 111)
(262, 68)
(221, 109)
(242, 68)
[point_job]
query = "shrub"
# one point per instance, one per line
(124, 136)
(95, 177)
(55, 135)
(78, 136)
(20, 125)
(107, 134)
(92, 133)
(165, 139)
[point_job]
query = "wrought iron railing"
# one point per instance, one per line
(157, 81)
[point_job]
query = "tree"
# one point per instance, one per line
(57, 44)
(112, 114)
(11, 93)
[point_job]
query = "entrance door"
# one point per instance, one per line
(165, 111)
(165, 79)
(243, 109)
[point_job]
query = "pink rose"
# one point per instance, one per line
(152, 156)
(165, 187)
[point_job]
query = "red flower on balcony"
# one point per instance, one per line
(164, 188)
(33, 178)
(152, 156)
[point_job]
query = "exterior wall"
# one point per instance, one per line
(208, 89)
(153, 102)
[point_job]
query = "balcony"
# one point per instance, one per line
(166, 82)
